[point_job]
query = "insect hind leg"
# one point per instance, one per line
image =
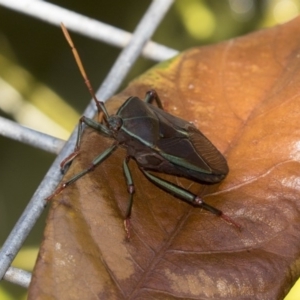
(187, 196)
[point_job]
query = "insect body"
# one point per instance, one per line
(164, 143)
(157, 141)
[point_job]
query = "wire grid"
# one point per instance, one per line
(134, 46)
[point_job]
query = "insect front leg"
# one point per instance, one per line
(187, 196)
(91, 123)
(131, 190)
(153, 96)
(99, 159)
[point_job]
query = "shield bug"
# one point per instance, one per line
(157, 141)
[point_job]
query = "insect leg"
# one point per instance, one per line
(91, 123)
(187, 196)
(131, 190)
(96, 161)
(152, 95)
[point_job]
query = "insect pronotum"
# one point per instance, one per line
(157, 141)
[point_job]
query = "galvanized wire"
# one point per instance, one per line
(30, 137)
(94, 29)
(143, 32)
(18, 276)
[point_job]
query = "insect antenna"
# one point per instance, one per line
(100, 105)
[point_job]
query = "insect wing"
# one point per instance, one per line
(184, 150)
(208, 151)
(185, 146)
(139, 121)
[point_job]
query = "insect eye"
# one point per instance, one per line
(115, 123)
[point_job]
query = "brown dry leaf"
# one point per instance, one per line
(244, 95)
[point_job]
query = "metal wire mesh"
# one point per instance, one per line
(135, 44)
